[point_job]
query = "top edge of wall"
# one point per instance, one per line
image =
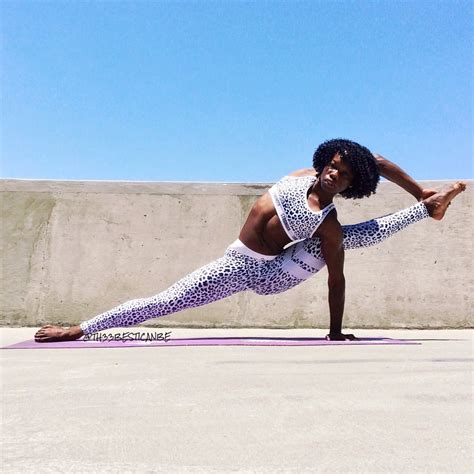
(160, 187)
(131, 187)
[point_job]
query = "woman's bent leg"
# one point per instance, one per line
(217, 280)
(304, 259)
(377, 230)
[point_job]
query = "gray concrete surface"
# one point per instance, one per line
(338, 409)
(73, 249)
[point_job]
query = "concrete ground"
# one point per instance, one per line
(405, 408)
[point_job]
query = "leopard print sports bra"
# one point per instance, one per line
(290, 197)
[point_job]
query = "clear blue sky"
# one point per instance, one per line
(231, 90)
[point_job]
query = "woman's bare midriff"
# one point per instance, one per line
(262, 231)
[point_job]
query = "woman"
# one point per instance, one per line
(297, 210)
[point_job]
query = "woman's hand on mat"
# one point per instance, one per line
(340, 337)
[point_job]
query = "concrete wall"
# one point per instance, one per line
(74, 249)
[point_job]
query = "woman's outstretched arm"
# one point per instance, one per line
(396, 175)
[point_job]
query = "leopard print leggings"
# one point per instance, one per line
(244, 270)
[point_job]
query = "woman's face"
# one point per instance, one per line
(337, 175)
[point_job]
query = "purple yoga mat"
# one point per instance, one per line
(208, 341)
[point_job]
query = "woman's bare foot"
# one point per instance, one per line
(56, 333)
(439, 202)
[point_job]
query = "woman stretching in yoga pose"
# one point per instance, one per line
(298, 209)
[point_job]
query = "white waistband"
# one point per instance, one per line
(243, 249)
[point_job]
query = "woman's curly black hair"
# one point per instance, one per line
(361, 160)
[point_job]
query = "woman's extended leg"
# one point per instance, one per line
(304, 259)
(230, 274)
(214, 281)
